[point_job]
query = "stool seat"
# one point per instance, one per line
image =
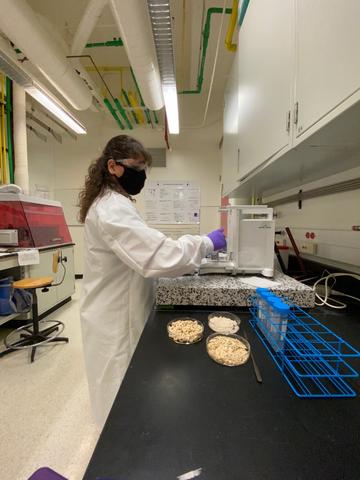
(29, 283)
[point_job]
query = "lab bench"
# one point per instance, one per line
(227, 290)
(177, 411)
(56, 296)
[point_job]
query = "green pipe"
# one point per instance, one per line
(129, 105)
(205, 41)
(155, 117)
(113, 113)
(9, 128)
(147, 113)
(243, 9)
(110, 43)
(122, 113)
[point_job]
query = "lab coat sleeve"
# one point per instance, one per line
(146, 250)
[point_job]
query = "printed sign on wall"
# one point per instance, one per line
(172, 203)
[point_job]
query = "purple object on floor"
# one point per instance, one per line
(46, 473)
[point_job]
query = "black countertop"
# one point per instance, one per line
(177, 411)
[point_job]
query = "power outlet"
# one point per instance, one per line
(308, 247)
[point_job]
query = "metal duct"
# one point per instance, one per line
(23, 28)
(132, 19)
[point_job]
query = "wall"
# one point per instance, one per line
(330, 217)
(194, 157)
(41, 165)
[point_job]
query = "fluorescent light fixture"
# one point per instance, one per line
(55, 107)
(171, 107)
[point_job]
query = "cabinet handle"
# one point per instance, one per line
(238, 160)
(288, 117)
(296, 113)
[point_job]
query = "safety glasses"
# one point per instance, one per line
(137, 167)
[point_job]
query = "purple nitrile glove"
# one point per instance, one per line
(218, 239)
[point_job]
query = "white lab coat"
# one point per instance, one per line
(122, 257)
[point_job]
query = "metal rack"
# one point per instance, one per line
(311, 358)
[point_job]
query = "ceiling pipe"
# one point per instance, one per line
(87, 23)
(133, 22)
(24, 29)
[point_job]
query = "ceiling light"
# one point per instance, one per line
(171, 107)
(54, 106)
(165, 54)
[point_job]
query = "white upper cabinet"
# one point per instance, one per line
(297, 56)
(327, 57)
(230, 148)
(266, 66)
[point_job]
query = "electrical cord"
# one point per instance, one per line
(326, 300)
(63, 277)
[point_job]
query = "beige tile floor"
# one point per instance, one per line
(44, 407)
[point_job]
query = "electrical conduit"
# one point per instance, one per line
(3, 167)
(9, 127)
(125, 95)
(205, 41)
(230, 31)
(244, 6)
(147, 112)
(113, 113)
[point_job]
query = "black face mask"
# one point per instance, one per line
(132, 180)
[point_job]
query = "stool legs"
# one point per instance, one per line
(33, 351)
(31, 336)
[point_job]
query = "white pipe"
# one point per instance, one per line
(20, 139)
(133, 21)
(87, 23)
(89, 19)
(23, 27)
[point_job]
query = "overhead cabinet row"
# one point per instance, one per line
(292, 98)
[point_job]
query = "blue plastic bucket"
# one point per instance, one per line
(5, 287)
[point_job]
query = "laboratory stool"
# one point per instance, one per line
(30, 334)
(46, 473)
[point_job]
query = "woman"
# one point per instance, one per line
(122, 257)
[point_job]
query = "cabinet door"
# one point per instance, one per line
(46, 300)
(230, 149)
(266, 69)
(327, 59)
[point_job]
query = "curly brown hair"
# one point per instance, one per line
(99, 178)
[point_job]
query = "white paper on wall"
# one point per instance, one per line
(172, 203)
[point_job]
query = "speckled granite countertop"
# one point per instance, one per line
(224, 290)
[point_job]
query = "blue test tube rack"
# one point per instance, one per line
(310, 357)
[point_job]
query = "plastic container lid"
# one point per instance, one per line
(280, 306)
(262, 290)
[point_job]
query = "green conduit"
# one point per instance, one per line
(119, 43)
(129, 105)
(244, 7)
(147, 113)
(113, 113)
(155, 117)
(205, 41)
(9, 128)
(116, 42)
(122, 113)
